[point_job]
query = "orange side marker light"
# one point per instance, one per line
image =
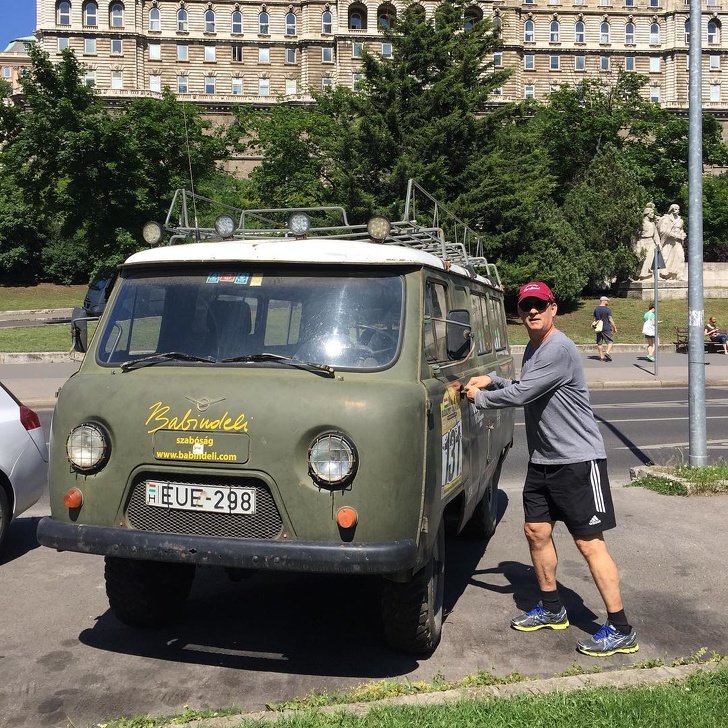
(73, 498)
(346, 517)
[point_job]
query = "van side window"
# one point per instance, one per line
(435, 312)
(498, 324)
(480, 324)
(283, 323)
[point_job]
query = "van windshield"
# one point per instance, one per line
(335, 318)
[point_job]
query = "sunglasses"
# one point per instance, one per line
(538, 303)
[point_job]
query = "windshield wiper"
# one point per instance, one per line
(149, 361)
(265, 356)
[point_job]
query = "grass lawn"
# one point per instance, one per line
(44, 295)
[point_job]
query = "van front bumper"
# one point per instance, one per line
(301, 556)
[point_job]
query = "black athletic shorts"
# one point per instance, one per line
(577, 494)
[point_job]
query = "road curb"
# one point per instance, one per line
(634, 677)
(36, 357)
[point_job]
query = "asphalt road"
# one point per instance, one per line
(65, 660)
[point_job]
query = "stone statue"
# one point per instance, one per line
(672, 236)
(648, 241)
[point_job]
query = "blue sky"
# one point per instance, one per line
(18, 19)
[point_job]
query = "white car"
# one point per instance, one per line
(23, 459)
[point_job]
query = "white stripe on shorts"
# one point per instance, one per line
(596, 484)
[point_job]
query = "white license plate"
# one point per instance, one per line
(208, 498)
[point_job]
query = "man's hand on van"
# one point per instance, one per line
(475, 385)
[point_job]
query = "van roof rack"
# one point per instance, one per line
(427, 225)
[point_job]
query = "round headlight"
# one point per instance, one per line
(332, 460)
(87, 448)
(224, 225)
(152, 232)
(378, 228)
(299, 223)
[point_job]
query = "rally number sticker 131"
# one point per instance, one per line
(452, 440)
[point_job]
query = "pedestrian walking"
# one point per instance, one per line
(648, 329)
(567, 471)
(605, 331)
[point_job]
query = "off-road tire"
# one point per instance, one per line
(147, 593)
(5, 514)
(412, 610)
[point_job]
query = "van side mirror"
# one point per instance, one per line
(458, 334)
(79, 330)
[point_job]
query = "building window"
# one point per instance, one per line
(117, 47)
(498, 60)
(629, 3)
(655, 94)
(237, 87)
(7, 72)
(387, 14)
(554, 63)
(290, 55)
(687, 32)
(89, 79)
(687, 62)
(357, 80)
(715, 92)
(654, 34)
(91, 15)
(263, 23)
(580, 63)
(89, 46)
(386, 50)
(326, 22)
(63, 14)
(236, 52)
(209, 53)
(155, 52)
(263, 55)
(181, 20)
(263, 87)
(327, 55)
(155, 82)
(116, 16)
(357, 17)
(290, 24)
(155, 21)
(629, 34)
(603, 63)
(629, 63)
(183, 52)
(117, 80)
(529, 91)
(209, 21)
(63, 42)
(236, 23)
(554, 31)
(529, 62)
(474, 15)
(183, 86)
(529, 32)
(654, 64)
(327, 82)
(356, 50)
(209, 85)
(291, 87)
(654, 3)
(604, 33)
(579, 34)
(713, 32)
(715, 63)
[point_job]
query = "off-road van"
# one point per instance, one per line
(277, 391)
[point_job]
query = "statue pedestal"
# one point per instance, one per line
(715, 285)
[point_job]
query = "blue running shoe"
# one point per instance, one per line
(538, 618)
(608, 641)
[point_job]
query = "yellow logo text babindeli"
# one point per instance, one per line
(160, 419)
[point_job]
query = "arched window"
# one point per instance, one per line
(529, 32)
(209, 21)
(604, 30)
(181, 20)
(236, 25)
(472, 16)
(654, 34)
(687, 32)
(356, 22)
(326, 22)
(386, 15)
(263, 23)
(116, 16)
(290, 24)
(63, 13)
(629, 34)
(554, 31)
(91, 14)
(155, 20)
(579, 34)
(713, 31)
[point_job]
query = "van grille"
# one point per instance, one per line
(266, 523)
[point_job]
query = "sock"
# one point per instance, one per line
(619, 621)
(551, 601)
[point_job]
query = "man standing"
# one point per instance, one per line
(567, 470)
(606, 336)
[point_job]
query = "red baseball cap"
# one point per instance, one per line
(535, 289)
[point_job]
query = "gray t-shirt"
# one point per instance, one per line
(560, 424)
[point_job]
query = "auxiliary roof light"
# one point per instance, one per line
(224, 225)
(299, 223)
(152, 232)
(378, 228)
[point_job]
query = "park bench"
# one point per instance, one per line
(681, 341)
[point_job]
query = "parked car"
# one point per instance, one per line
(96, 296)
(23, 459)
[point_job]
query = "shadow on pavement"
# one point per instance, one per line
(20, 539)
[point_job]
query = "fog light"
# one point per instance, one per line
(346, 517)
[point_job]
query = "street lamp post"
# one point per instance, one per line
(658, 264)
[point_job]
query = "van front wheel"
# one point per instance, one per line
(146, 593)
(412, 610)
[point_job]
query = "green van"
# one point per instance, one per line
(280, 392)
